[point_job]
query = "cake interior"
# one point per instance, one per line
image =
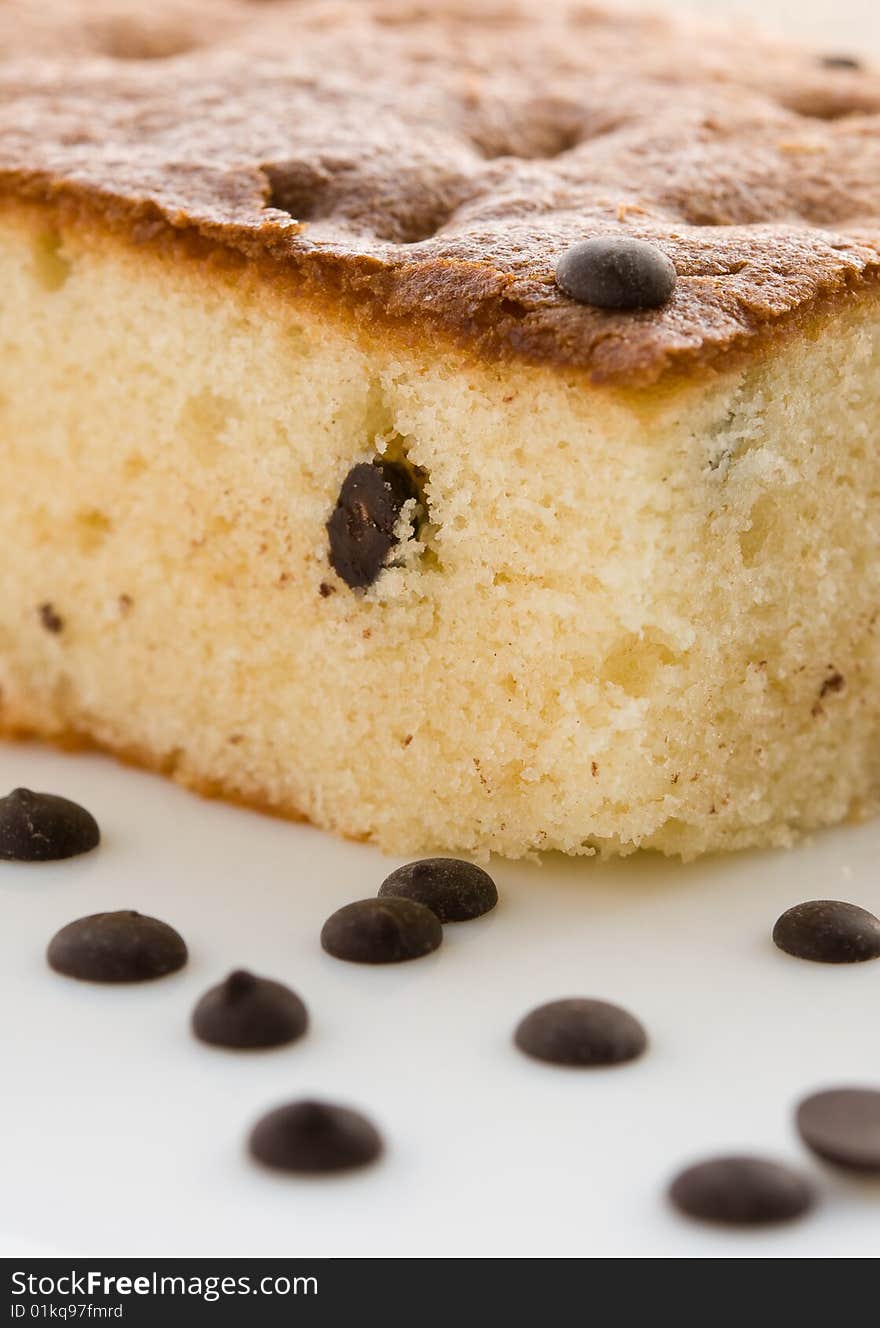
(627, 619)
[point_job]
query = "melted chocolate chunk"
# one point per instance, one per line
(363, 523)
(41, 827)
(842, 1125)
(381, 931)
(741, 1191)
(247, 1011)
(615, 272)
(581, 1032)
(456, 891)
(117, 947)
(314, 1137)
(829, 932)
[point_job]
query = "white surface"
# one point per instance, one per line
(840, 27)
(121, 1135)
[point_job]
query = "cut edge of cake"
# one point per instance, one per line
(696, 670)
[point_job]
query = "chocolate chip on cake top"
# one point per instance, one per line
(43, 827)
(614, 272)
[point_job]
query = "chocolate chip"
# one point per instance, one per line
(381, 931)
(117, 947)
(51, 620)
(840, 62)
(325, 590)
(363, 523)
(456, 891)
(829, 932)
(835, 682)
(247, 1011)
(842, 1125)
(581, 1032)
(41, 827)
(314, 1137)
(741, 1191)
(615, 272)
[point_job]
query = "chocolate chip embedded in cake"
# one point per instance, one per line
(494, 463)
(51, 619)
(363, 527)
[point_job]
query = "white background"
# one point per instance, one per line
(123, 1136)
(840, 26)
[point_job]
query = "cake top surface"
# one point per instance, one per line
(430, 162)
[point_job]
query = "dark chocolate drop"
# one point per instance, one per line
(313, 1138)
(42, 827)
(581, 1032)
(829, 932)
(616, 272)
(381, 931)
(741, 1191)
(842, 1126)
(455, 890)
(247, 1011)
(117, 947)
(362, 526)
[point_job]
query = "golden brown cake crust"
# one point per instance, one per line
(427, 163)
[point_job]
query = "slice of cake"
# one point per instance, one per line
(358, 465)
